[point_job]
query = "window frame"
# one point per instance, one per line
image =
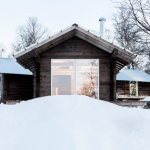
(75, 85)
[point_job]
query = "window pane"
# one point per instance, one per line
(87, 77)
(75, 76)
(62, 77)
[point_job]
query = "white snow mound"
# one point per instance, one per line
(73, 123)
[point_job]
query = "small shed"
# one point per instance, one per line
(16, 83)
(75, 61)
(133, 84)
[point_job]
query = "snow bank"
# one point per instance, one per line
(73, 123)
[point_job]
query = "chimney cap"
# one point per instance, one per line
(102, 19)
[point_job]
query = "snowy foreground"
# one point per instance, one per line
(73, 123)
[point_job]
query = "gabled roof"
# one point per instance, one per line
(133, 75)
(123, 57)
(10, 66)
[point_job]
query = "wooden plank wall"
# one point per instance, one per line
(75, 48)
(17, 87)
(144, 88)
(123, 88)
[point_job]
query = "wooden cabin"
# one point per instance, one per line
(75, 61)
(16, 83)
(132, 84)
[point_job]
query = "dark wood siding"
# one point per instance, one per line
(17, 87)
(144, 88)
(123, 88)
(75, 48)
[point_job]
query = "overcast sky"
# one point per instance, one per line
(54, 14)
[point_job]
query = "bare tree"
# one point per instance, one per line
(140, 13)
(126, 33)
(132, 27)
(2, 50)
(29, 34)
(147, 67)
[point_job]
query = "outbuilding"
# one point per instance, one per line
(75, 61)
(16, 83)
(132, 84)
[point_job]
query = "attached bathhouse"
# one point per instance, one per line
(16, 83)
(75, 61)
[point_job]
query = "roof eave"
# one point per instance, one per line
(46, 42)
(75, 30)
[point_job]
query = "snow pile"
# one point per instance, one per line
(73, 123)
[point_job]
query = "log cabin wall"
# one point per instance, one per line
(17, 87)
(123, 88)
(144, 88)
(76, 48)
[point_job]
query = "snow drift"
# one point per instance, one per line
(73, 123)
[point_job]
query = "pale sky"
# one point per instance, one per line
(54, 14)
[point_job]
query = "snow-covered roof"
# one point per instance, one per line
(133, 75)
(10, 66)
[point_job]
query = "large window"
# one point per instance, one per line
(75, 76)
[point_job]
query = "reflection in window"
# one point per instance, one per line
(75, 76)
(87, 77)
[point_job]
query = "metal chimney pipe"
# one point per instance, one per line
(102, 26)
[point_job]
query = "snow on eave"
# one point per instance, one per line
(101, 43)
(37, 45)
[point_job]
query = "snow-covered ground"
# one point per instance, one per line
(73, 123)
